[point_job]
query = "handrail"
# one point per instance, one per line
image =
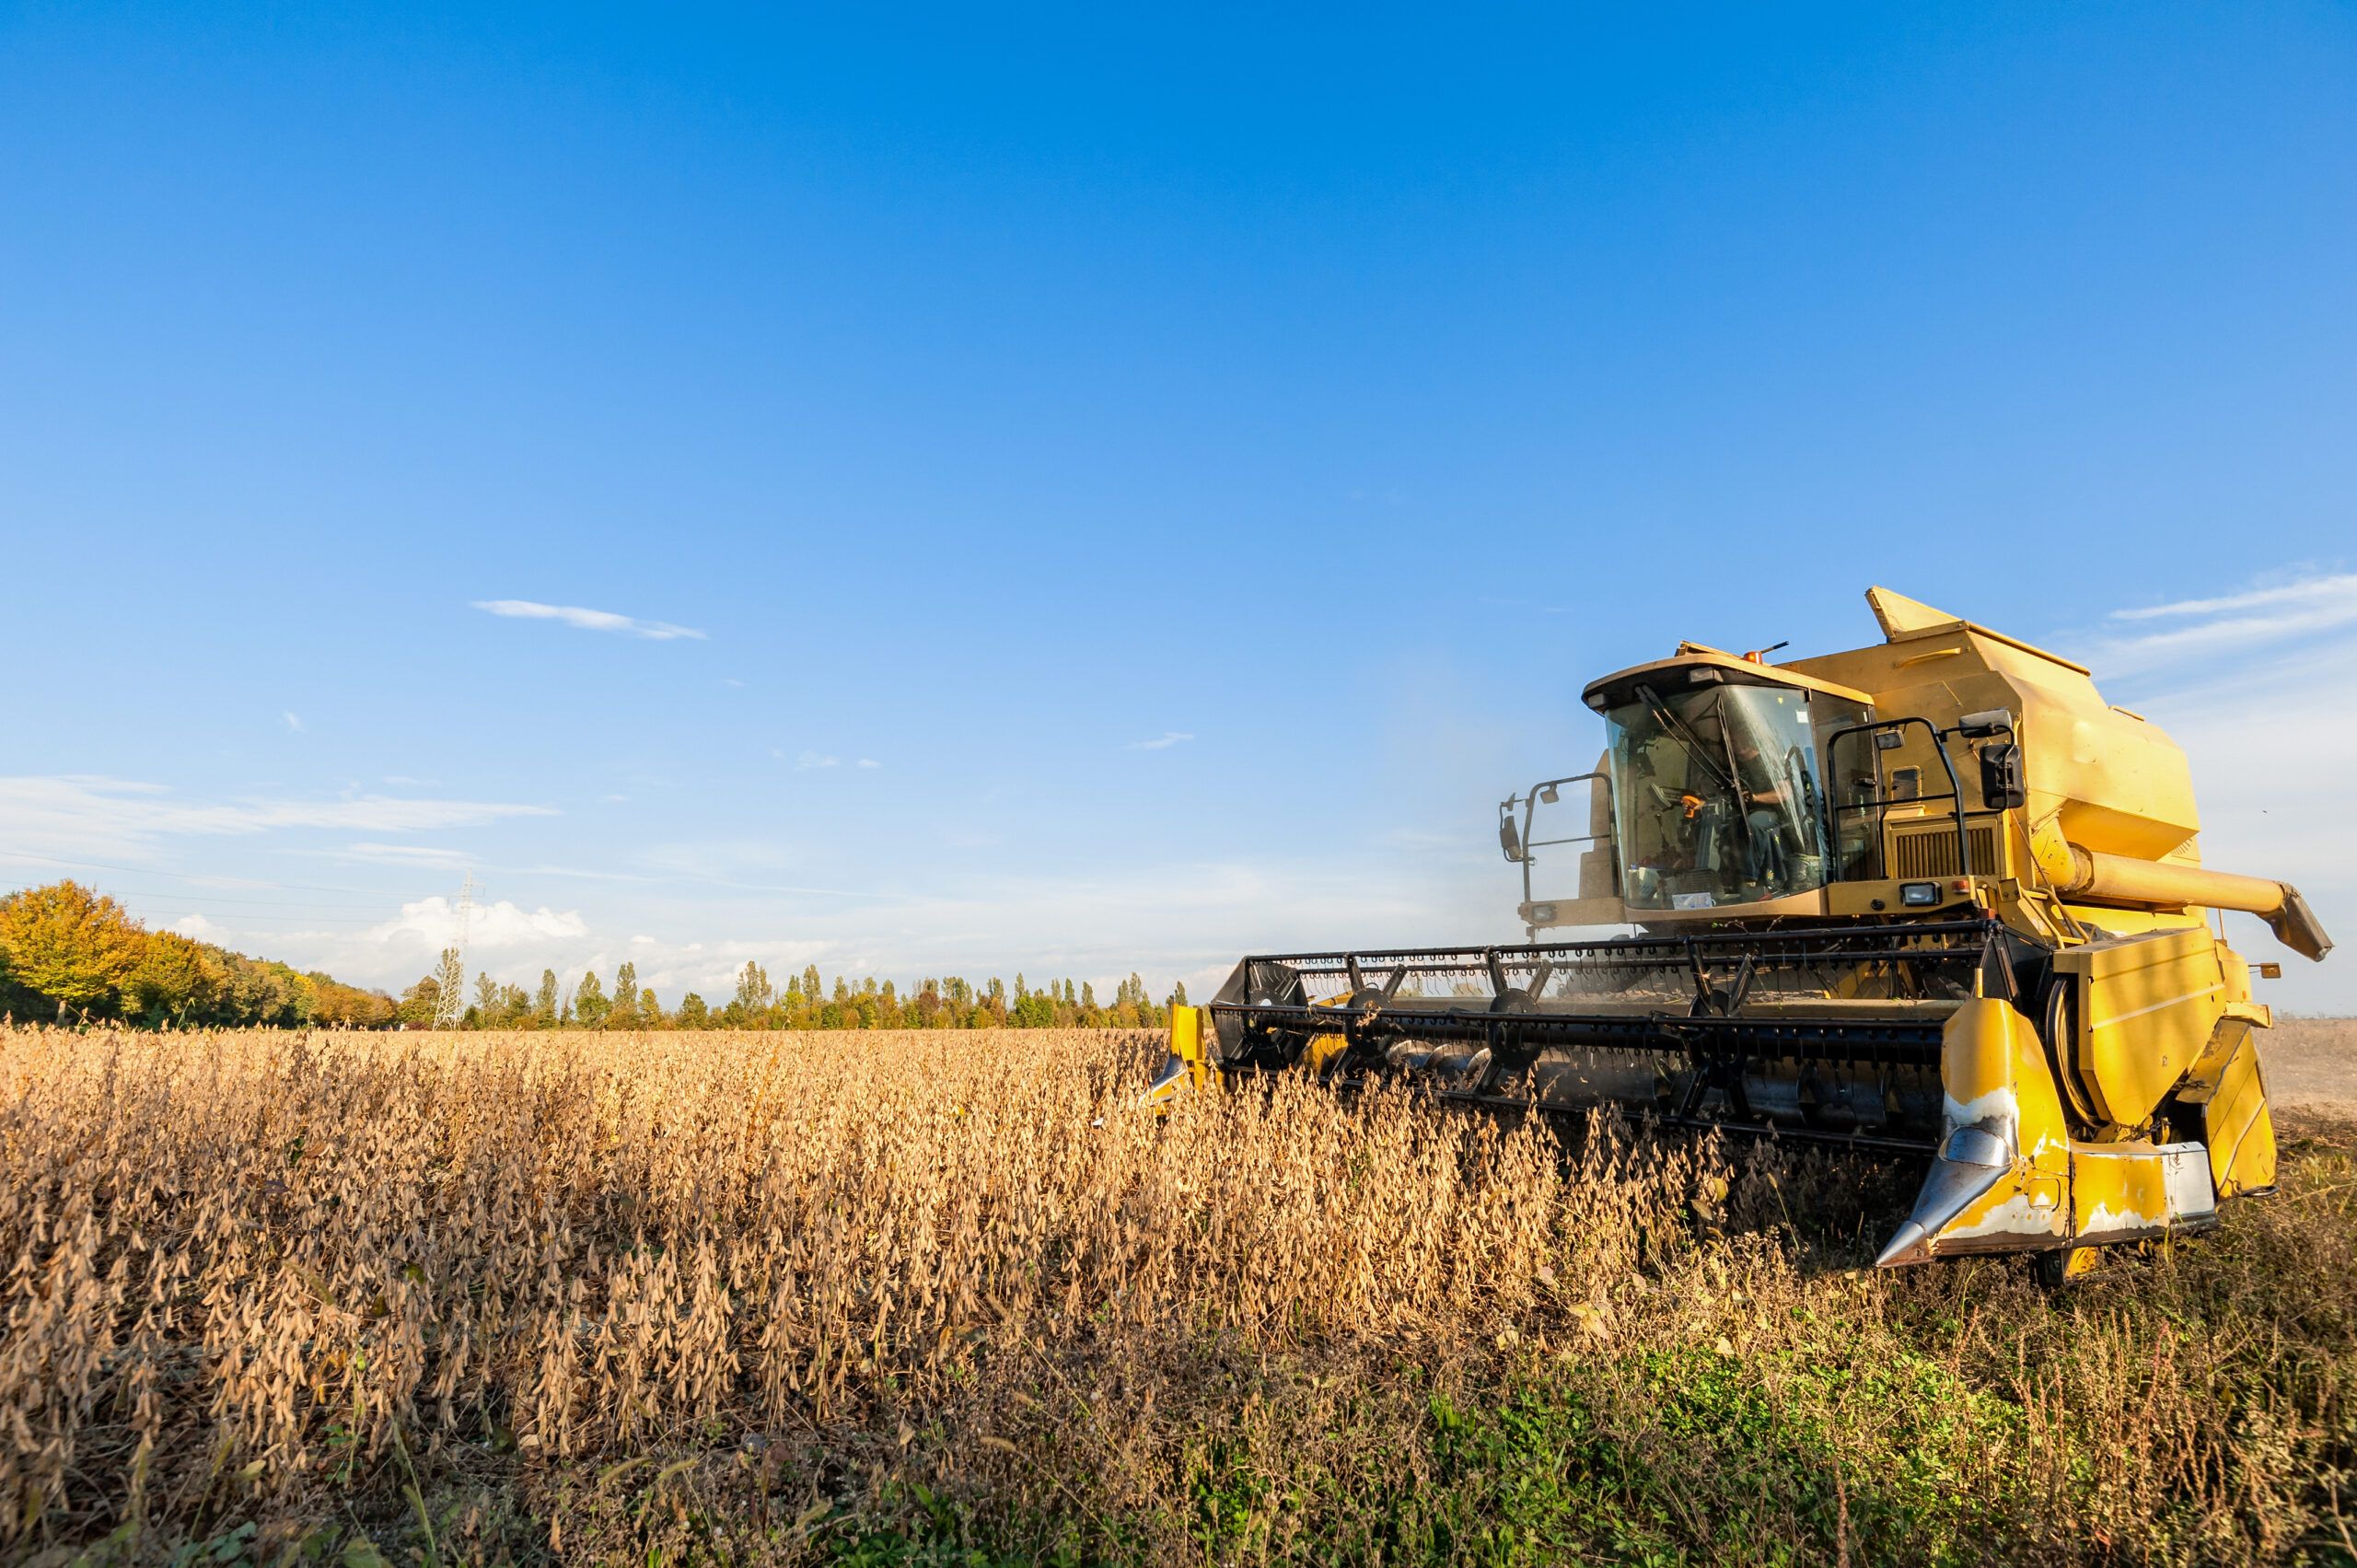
(1948, 765)
(1529, 804)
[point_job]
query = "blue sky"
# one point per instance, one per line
(1122, 489)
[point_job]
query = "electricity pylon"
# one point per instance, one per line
(453, 1000)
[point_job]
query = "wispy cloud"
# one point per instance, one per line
(588, 620)
(1162, 742)
(410, 854)
(90, 813)
(869, 762)
(2228, 624)
(2338, 586)
(811, 759)
(292, 723)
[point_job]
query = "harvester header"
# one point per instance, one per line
(1933, 894)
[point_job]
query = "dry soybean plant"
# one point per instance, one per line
(797, 1280)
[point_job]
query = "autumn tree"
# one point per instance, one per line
(623, 1015)
(68, 945)
(421, 1004)
(589, 1003)
(171, 981)
(753, 992)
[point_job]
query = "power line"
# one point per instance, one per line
(197, 906)
(182, 876)
(151, 894)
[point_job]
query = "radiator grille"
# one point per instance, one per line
(1927, 853)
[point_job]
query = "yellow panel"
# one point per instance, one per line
(2147, 1008)
(1186, 1033)
(1900, 615)
(2237, 1127)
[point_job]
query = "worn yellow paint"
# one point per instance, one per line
(2118, 1191)
(1994, 1074)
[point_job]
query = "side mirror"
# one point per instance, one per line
(1509, 839)
(2004, 783)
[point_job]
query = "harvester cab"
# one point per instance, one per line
(1931, 895)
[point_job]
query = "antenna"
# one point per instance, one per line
(454, 995)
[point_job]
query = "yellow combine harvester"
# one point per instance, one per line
(1931, 895)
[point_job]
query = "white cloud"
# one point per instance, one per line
(88, 813)
(196, 926)
(588, 620)
(2229, 624)
(431, 924)
(292, 723)
(1163, 742)
(869, 762)
(810, 759)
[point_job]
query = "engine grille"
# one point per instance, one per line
(1927, 853)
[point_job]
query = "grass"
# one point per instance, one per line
(917, 1299)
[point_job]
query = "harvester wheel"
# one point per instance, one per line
(2059, 1268)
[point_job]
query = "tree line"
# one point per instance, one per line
(806, 1002)
(71, 955)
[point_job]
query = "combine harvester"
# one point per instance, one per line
(1934, 896)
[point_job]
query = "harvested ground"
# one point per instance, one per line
(899, 1298)
(2311, 1065)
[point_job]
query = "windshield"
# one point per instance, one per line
(1717, 795)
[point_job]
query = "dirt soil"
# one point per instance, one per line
(2311, 1065)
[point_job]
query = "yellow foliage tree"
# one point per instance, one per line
(67, 943)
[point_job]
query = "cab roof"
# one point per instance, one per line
(1732, 668)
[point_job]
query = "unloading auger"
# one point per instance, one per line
(1934, 895)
